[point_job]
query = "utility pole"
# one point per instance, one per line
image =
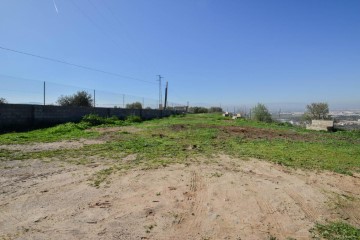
(160, 95)
(143, 103)
(166, 94)
(44, 93)
(123, 100)
(94, 98)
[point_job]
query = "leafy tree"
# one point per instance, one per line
(81, 99)
(317, 111)
(3, 101)
(215, 109)
(261, 113)
(198, 110)
(135, 105)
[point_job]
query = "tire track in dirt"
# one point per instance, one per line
(271, 214)
(309, 211)
(189, 223)
(280, 220)
(197, 210)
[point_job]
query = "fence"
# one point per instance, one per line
(26, 91)
(20, 116)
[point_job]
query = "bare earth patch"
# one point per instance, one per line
(231, 199)
(129, 129)
(39, 147)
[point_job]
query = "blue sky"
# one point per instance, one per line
(212, 52)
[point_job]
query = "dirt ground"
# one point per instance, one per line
(229, 199)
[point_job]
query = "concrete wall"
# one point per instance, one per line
(18, 116)
(321, 125)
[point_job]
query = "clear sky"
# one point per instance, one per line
(229, 52)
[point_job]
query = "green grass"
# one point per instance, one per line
(181, 139)
(60, 132)
(336, 231)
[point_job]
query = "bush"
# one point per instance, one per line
(261, 113)
(65, 128)
(95, 120)
(3, 101)
(135, 105)
(198, 110)
(215, 110)
(80, 99)
(133, 119)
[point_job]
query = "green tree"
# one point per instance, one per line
(134, 105)
(80, 99)
(317, 111)
(3, 101)
(198, 110)
(261, 113)
(215, 109)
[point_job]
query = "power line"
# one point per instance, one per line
(132, 41)
(104, 31)
(74, 65)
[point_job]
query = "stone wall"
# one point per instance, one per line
(18, 116)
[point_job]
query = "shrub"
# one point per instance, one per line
(95, 120)
(3, 101)
(135, 105)
(198, 110)
(81, 99)
(133, 119)
(261, 113)
(215, 110)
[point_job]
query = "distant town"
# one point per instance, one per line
(343, 119)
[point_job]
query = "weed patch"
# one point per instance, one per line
(335, 231)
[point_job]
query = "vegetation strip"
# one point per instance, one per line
(179, 138)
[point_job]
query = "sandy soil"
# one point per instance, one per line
(39, 147)
(231, 199)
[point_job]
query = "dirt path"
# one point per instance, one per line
(233, 199)
(39, 147)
